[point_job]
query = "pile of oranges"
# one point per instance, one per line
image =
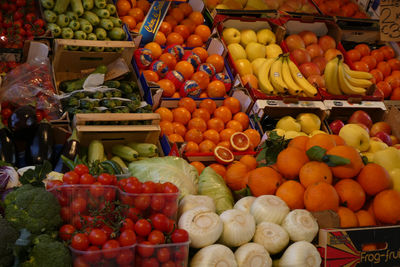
(382, 64)
(344, 8)
(206, 126)
(132, 12)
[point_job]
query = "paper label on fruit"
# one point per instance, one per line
(300, 75)
(276, 74)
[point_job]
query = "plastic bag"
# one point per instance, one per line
(31, 83)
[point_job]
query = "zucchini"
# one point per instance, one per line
(86, 48)
(62, 20)
(106, 24)
(80, 35)
(61, 6)
(98, 49)
(102, 13)
(74, 25)
(111, 8)
(119, 161)
(125, 152)
(100, 3)
(95, 151)
(112, 84)
(73, 47)
(116, 21)
(67, 33)
(49, 16)
(71, 15)
(117, 34)
(54, 28)
(144, 149)
(101, 34)
(77, 7)
(85, 25)
(47, 4)
(117, 169)
(91, 36)
(91, 17)
(87, 4)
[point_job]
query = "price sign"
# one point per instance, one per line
(390, 20)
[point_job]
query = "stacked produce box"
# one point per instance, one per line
(234, 133)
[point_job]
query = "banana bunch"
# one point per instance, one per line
(340, 79)
(278, 76)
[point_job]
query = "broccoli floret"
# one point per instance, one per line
(32, 208)
(8, 236)
(48, 252)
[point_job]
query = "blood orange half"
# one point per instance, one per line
(240, 141)
(223, 155)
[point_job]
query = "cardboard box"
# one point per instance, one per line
(359, 30)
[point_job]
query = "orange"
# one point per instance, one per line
(203, 31)
(347, 218)
(177, 14)
(354, 55)
(171, 20)
(395, 94)
(212, 135)
(191, 147)
(197, 17)
(385, 87)
(167, 86)
(216, 89)
(223, 113)
(371, 62)
(143, 5)
(176, 95)
(189, 23)
(235, 125)
(394, 64)
(187, 103)
(388, 52)
(198, 165)
(361, 66)
(299, 142)
(263, 181)
(197, 123)
(290, 161)
(203, 95)
(174, 38)
(243, 119)
(378, 75)
(194, 41)
(378, 55)
(151, 76)
(321, 196)
(250, 79)
(254, 137)
(168, 59)
(292, 193)
(194, 135)
(216, 124)
(165, 114)
(209, 105)
(393, 81)
(201, 78)
(363, 49)
(338, 140)
(386, 206)
(207, 146)
(133, 3)
(175, 138)
(155, 48)
(179, 128)
(384, 67)
(186, 9)
(365, 218)
(217, 61)
(233, 104)
(165, 28)
(201, 113)
(235, 176)
(123, 7)
(129, 21)
(185, 68)
(313, 172)
(349, 170)
(249, 161)
(351, 194)
(226, 134)
(322, 140)
(166, 128)
(218, 168)
(201, 52)
(136, 13)
(183, 30)
(181, 115)
(373, 178)
(225, 144)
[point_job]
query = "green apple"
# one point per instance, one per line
(309, 122)
(288, 123)
(231, 35)
(355, 136)
(243, 67)
(266, 37)
(273, 51)
(256, 65)
(375, 146)
(247, 36)
(388, 158)
(237, 51)
(293, 134)
(395, 176)
(255, 50)
(369, 155)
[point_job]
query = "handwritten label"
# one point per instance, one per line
(390, 20)
(153, 20)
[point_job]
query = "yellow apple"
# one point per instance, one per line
(266, 37)
(256, 64)
(279, 132)
(375, 146)
(309, 122)
(388, 158)
(293, 134)
(243, 66)
(316, 132)
(255, 50)
(247, 36)
(369, 155)
(273, 50)
(355, 136)
(395, 176)
(288, 123)
(237, 51)
(231, 35)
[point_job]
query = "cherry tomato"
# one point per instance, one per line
(80, 262)
(171, 226)
(71, 177)
(171, 189)
(86, 178)
(105, 179)
(110, 245)
(142, 202)
(163, 255)
(30, 17)
(133, 213)
(170, 209)
(108, 230)
(160, 222)
(81, 169)
(127, 224)
(126, 199)
(157, 202)
(127, 238)
(149, 187)
(97, 237)
(80, 242)
(156, 237)
(66, 232)
(126, 256)
(21, 3)
(143, 227)
(92, 255)
(181, 253)
(133, 187)
(6, 113)
(145, 249)
(96, 190)
(179, 236)
(66, 214)
(53, 183)
(78, 205)
(169, 264)
(151, 262)
(109, 194)
(122, 183)
(39, 23)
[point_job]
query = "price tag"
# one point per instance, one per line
(390, 20)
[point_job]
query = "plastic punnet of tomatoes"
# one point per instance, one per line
(173, 254)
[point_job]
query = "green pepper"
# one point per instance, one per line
(126, 88)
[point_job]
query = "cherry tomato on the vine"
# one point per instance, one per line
(157, 202)
(142, 202)
(80, 262)
(126, 256)
(127, 224)
(53, 183)
(78, 205)
(93, 255)
(71, 177)
(149, 187)
(97, 237)
(80, 242)
(110, 244)
(66, 232)
(127, 238)
(156, 237)
(86, 178)
(160, 222)
(145, 249)
(105, 179)
(163, 255)
(143, 227)
(179, 236)
(150, 262)
(96, 190)
(81, 169)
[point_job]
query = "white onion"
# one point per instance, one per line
(269, 208)
(252, 255)
(239, 227)
(193, 201)
(272, 236)
(244, 203)
(214, 256)
(301, 254)
(300, 225)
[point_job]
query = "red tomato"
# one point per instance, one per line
(151, 262)
(179, 236)
(127, 225)
(145, 251)
(39, 22)
(168, 264)
(92, 255)
(156, 237)
(133, 187)
(6, 113)
(105, 179)
(110, 245)
(170, 188)
(66, 214)
(160, 222)
(142, 202)
(21, 3)
(133, 213)
(143, 227)
(71, 177)
(170, 209)
(81, 169)
(181, 253)
(109, 194)
(149, 187)
(127, 238)
(80, 242)
(126, 256)
(108, 230)
(78, 205)
(163, 255)
(86, 178)
(53, 183)
(157, 202)
(97, 237)
(80, 262)
(66, 232)
(96, 190)
(18, 14)
(30, 17)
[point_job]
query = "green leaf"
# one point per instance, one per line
(365, 160)
(316, 153)
(333, 160)
(245, 192)
(272, 147)
(36, 176)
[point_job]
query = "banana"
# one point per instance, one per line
(293, 88)
(263, 77)
(345, 85)
(357, 74)
(276, 76)
(307, 87)
(363, 83)
(331, 77)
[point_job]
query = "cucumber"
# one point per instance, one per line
(100, 3)
(102, 13)
(80, 35)
(49, 16)
(87, 4)
(106, 24)
(86, 48)
(125, 152)
(119, 161)
(77, 7)
(144, 149)
(116, 21)
(67, 33)
(111, 8)
(54, 28)
(62, 20)
(74, 25)
(71, 15)
(117, 34)
(61, 6)
(116, 168)
(85, 25)
(47, 4)
(98, 49)
(112, 84)
(73, 47)
(101, 34)
(91, 36)
(91, 17)
(95, 151)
